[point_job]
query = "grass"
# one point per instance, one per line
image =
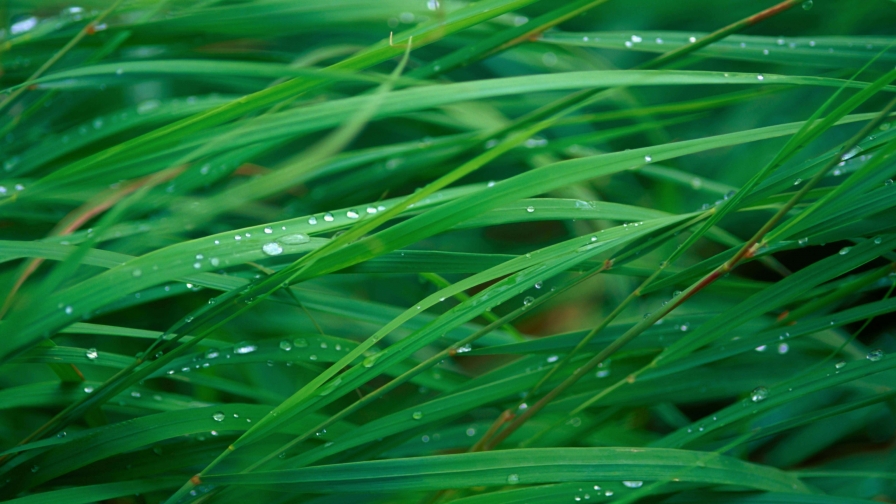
(496, 251)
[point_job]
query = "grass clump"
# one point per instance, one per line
(493, 251)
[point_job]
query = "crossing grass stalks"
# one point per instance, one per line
(436, 251)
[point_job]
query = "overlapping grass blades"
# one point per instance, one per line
(433, 251)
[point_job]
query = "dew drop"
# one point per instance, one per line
(244, 348)
(528, 300)
(285, 345)
(844, 250)
(300, 342)
(840, 365)
(88, 389)
(312, 220)
(417, 415)
(513, 479)
(807, 4)
(218, 416)
(803, 241)
(294, 239)
(69, 310)
(875, 355)
(759, 394)
(272, 249)
(633, 484)
(648, 159)
(352, 214)
(530, 208)
(760, 77)
(92, 353)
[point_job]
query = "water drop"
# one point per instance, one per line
(759, 394)
(294, 239)
(417, 415)
(244, 348)
(268, 230)
(352, 214)
(875, 355)
(300, 342)
(803, 241)
(844, 250)
(528, 300)
(760, 77)
(92, 353)
(761, 348)
(840, 365)
(530, 208)
(88, 389)
(538, 285)
(553, 358)
(285, 345)
(513, 479)
(136, 273)
(69, 310)
(329, 217)
(798, 181)
(218, 416)
(312, 220)
(783, 348)
(633, 484)
(628, 43)
(807, 5)
(272, 248)
(636, 38)
(648, 159)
